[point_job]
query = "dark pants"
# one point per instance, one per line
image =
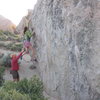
(15, 74)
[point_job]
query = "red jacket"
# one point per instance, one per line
(14, 62)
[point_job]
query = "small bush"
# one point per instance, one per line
(3, 38)
(8, 36)
(1, 55)
(12, 95)
(6, 61)
(9, 85)
(2, 69)
(2, 45)
(14, 46)
(32, 87)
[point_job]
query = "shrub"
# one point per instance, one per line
(12, 95)
(2, 69)
(2, 45)
(9, 85)
(6, 60)
(32, 87)
(3, 36)
(14, 47)
(8, 36)
(1, 55)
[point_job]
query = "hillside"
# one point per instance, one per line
(6, 24)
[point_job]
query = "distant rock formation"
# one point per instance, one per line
(24, 22)
(6, 24)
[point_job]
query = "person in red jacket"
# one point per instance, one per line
(15, 65)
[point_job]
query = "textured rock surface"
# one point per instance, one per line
(68, 47)
(6, 25)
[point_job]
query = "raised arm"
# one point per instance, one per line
(20, 54)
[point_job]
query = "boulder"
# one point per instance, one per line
(68, 47)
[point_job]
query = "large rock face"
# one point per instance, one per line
(68, 47)
(6, 24)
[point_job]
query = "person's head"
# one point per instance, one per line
(25, 29)
(13, 56)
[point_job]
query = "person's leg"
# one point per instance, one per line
(33, 53)
(26, 50)
(29, 47)
(26, 46)
(15, 76)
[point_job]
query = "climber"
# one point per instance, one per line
(15, 65)
(26, 42)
